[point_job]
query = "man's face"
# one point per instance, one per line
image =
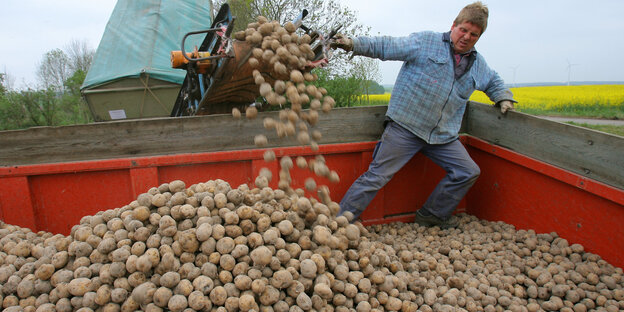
(464, 36)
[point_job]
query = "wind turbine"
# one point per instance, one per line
(514, 68)
(569, 68)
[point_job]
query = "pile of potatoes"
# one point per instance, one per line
(211, 247)
(491, 266)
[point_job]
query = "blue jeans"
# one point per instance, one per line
(396, 147)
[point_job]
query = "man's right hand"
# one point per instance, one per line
(342, 41)
(505, 105)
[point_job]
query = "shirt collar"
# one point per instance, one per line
(447, 37)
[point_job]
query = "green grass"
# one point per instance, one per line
(617, 130)
(597, 111)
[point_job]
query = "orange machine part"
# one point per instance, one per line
(179, 61)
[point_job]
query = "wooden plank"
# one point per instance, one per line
(166, 136)
(593, 154)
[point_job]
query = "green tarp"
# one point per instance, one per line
(140, 36)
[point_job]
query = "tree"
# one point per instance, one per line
(74, 106)
(59, 65)
(41, 106)
(375, 88)
(2, 88)
(12, 114)
(367, 71)
(54, 69)
(7, 82)
(344, 89)
(57, 100)
(80, 55)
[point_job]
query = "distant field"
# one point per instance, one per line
(375, 99)
(599, 101)
(617, 130)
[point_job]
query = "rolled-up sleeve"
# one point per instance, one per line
(387, 48)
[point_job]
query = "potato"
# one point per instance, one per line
(177, 303)
(308, 268)
(218, 295)
(144, 293)
(25, 287)
(197, 301)
(204, 232)
(265, 88)
(352, 232)
(103, 295)
(322, 235)
(269, 296)
(260, 140)
(280, 68)
(141, 213)
(304, 301)
(296, 76)
(247, 302)
(184, 287)
(269, 155)
(45, 271)
(253, 62)
(261, 256)
(79, 286)
(176, 186)
(303, 137)
(285, 227)
(220, 200)
(286, 162)
(236, 113)
(282, 279)
(239, 35)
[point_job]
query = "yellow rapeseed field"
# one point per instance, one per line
(564, 98)
(376, 99)
(587, 100)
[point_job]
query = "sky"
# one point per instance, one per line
(526, 41)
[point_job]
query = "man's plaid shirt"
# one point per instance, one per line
(427, 99)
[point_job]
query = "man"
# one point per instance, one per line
(439, 73)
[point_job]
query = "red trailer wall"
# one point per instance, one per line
(534, 195)
(512, 188)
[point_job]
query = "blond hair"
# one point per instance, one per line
(475, 13)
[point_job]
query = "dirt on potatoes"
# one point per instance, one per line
(264, 249)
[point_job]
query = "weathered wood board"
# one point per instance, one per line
(590, 153)
(165, 136)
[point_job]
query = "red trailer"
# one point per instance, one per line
(535, 174)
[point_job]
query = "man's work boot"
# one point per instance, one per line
(427, 219)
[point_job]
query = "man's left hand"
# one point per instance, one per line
(505, 105)
(342, 41)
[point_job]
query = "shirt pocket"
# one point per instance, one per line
(436, 66)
